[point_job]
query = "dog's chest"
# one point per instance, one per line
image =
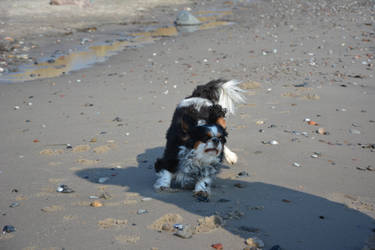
(190, 164)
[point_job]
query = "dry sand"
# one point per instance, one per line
(299, 59)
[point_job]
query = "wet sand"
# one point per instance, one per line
(297, 60)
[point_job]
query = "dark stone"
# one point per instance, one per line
(186, 18)
(9, 229)
(243, 173)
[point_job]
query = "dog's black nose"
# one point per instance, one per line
(215, 140)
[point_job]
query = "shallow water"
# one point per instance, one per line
(82, 58)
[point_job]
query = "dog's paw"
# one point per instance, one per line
(202, 196)
(160, 188)
(230, 157)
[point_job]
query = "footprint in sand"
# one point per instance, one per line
(127, 239)
(111, 223)
(81, 148)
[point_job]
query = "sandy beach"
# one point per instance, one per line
(305, 139)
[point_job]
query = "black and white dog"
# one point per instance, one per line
(196, 138)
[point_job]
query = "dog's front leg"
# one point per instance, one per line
(230, 156)
(164, 180)
(202, 189)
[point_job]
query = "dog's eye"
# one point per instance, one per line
(206, 138)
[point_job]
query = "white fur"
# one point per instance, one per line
(201, 122)
(202, 158)
(196, 101)
(230, 94)
(203, 185)
(164, 180)
(213, 130)
(230, 156)
(195, 165)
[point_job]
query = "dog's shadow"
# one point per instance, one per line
(293, 219)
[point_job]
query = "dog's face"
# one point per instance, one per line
(209, 142)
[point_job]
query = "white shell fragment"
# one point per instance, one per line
(296, 164)
(274, 142)
(103, 179)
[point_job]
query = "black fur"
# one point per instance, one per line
(182, 131)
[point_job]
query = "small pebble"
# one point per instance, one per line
(8, 229)
(96, 204)
(239, 185)
(217, 246)
(14, 204)
(322, 131)
(354, 131)
(103, 179)
(296, 164)
(142, 211)
(117, 119)
(274, 142)
(105, 196)
(186, 232)
(305, 134)
(64, 189)
(178, 226)
(301, 85)
(255, 242)
(243, 173)
(85, 40)
(146, 199)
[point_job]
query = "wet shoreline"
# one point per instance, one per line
(98, 46)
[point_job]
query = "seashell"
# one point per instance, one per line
(96, 204)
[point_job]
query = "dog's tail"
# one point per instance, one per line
(222, 92)
(230, 94)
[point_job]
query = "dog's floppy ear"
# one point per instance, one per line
(217, 115)
(187, 123)
(221, 121)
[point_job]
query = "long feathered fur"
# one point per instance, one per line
(225, 93)
(230, 94)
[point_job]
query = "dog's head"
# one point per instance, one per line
(208, 142)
